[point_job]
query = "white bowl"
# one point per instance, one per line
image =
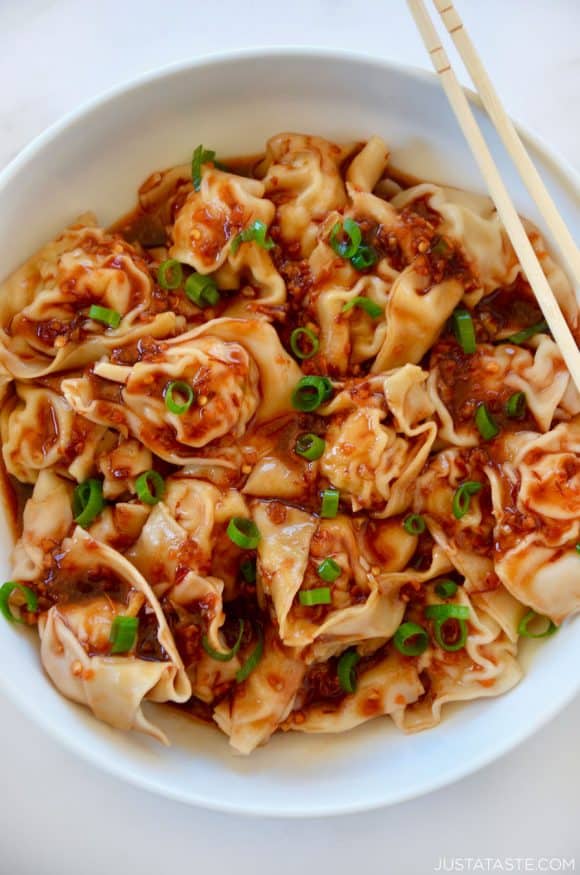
(95, 159)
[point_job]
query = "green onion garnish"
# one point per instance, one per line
(439, 247)
(309, 446)
(253, 659)
(486, 424)
(462, 497)
(6, 591)
(446, 612)
(243, 532)
(349, 229)
(346, 670)
(201, 290)
(223, 656)
(410, 639)
(310, 393)
(88, 502)
(319, 596)
(103, 314)
(526, 333)
(578, 548)
(123, 634)
(516, 405)
(200, 156)
(183, 389)
(256, 233)
(460, 638)
(524, 631)
(414, 524)
(464, 331)
(373, 310)
(170, 274)
(446, 589)
(364, 257)
(330, 500)
(150, 487)
(248, 570)
(329, 570)
(296, 341)
(441, 614)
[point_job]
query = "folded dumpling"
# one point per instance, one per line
(45, 324)
(92, 586)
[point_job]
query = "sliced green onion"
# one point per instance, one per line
(526, 333)
(123, 634)
(183, 389)
(150, 487)
(344, 248)
(201, 290)
(6, 591)
(243, 532)
(319, 596)
(373, 310)
(200, 156)
(578, 548)
(440, 247)
(441, 614)
(446, 589)
(253, 659)
(462, 497)
(310, 393)
(170, 274)
(516, 405)
(524, 631)
(464, 331)
(329, 570)
(103, 314)
(414, 524)
(256, 233)
(330, 500)
(439, 633)
(248, 570)
(223, 656)
(309, 446)
(410, 639)
(88, 502)
(364, 257)
(486, 424)
(446, 612)
(295, 341)
(346, 670)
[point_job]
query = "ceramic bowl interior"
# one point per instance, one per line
(95, 159)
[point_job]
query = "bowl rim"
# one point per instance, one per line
(501, 746)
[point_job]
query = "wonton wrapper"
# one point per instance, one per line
(376, 464)
(468, 542)
(263, 701)
(40, 430)
(40, 303)
(47, 519)
(537, 508)
(540, 374)
(485, 667)
(228, 362)
(210, 218)
(291, 539)
(302, 177)
(113, 687)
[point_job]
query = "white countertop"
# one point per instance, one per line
(60, 816)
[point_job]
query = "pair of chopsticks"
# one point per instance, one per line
(497, 189)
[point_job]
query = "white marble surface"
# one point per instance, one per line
(60, 815)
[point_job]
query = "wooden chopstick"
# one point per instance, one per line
(499, 194)
(509, 136)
